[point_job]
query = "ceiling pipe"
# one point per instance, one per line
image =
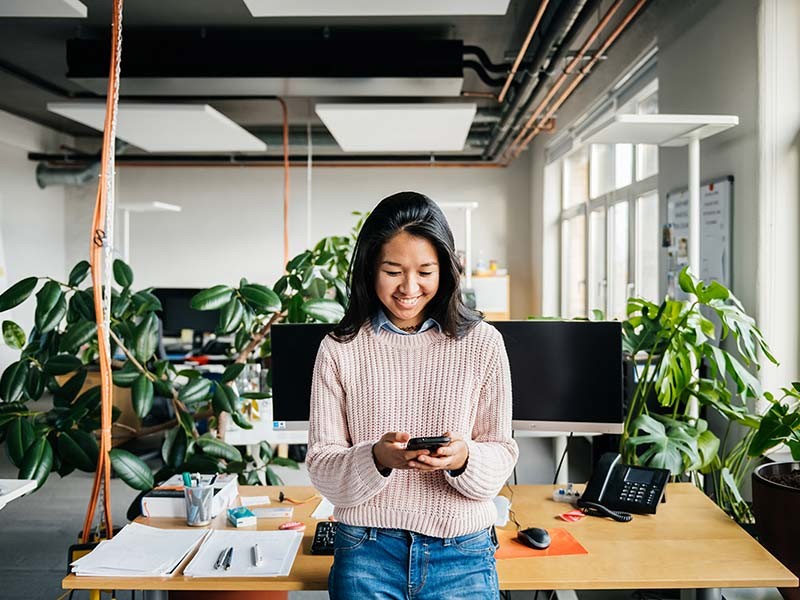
(485, 60)
(47, 175)
(568, 20)
(590, 39)
(539, 13)
(485, 78)
(582, 74)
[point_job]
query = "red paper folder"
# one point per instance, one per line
(561, 543)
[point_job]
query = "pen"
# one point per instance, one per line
(256, 555)
(220, 558)
(227, 564)
(187, 481)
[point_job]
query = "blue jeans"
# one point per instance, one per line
(370, 562)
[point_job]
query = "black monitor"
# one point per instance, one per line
(177, 312)
(565, 375)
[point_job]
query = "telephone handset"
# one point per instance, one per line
(615, 489)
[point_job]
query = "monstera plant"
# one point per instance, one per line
(58, 353)
(702, 352)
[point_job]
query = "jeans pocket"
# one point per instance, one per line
(475, 543)
(349, 537)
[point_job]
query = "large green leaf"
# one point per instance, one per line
(79, 273)
(299, 261)
(125, 376)
(123, 274)
(79, 448)
(261, 297)
(241, 420)
(13, 335)
(82, 304)
(230, 317)
(89, 400)
(38, 462)
(324, 310)
(51, 306)
(142, 396)
(218, 448)
(173, 451)
(202, 463)
(77, 335)
(145, 301)
(61, 364)
(146, 338)
(19, 437)
(34, 383)
(665, 448)
(69, 390)
(212, 298)
(231, 372)
(131, 469)
(194, 391)
(17, 293)
(12, 382)
(224, 399)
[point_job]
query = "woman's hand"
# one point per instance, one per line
(451, 457)
(390, 451)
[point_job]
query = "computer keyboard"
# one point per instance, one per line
(324, 535)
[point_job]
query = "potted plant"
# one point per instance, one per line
(61, 349)
(776, 485)
(672, 341)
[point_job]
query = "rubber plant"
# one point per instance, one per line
(54, 431)
(669, 342)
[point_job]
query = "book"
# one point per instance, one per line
(166, 499)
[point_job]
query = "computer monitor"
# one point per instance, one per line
(565, 375)
(294, 352)
(177, 313)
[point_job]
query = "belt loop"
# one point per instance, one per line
(447, 541)
(373, 534)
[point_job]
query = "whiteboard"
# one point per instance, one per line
(715, 234)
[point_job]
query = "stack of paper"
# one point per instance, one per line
(278, 550)
(139, 551)
(324, 509)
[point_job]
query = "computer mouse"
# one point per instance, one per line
(535, 537)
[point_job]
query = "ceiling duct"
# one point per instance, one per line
(161, 62)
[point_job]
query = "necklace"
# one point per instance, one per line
(410, 328)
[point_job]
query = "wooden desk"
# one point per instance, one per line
(690, 543)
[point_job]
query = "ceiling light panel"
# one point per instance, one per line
(166, 127)
(374, 8)
(398, 127)
(42, 8)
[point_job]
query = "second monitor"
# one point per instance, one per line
(565, 375)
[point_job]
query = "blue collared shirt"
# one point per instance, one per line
(381, 321)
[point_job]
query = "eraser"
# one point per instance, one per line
(241, 516)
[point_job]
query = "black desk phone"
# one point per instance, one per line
(615, 489)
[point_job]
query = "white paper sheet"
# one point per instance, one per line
(324, 510)
(254, 500)
(278, 549)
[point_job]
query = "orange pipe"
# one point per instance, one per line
(102, 476)
(582, 74)
(539, 14)
(565, 74)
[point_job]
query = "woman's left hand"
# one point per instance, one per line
(451, 457)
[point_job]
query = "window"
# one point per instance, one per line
(609, 219)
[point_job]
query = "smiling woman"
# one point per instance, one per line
(409, 359)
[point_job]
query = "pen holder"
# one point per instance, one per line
(198, 504)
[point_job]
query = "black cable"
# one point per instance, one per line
(598, 510)
(486, 61)
(563, 456)
(478, 68)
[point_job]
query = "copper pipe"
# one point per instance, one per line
(480, 95)
(102, 475)
(539, 14)
(565, 74)
(582, 74)
(285, 181)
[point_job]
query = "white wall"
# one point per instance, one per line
(31, 219)
(231, 222)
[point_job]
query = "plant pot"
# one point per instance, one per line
(777, 511)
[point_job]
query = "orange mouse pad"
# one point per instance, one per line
(561, 543)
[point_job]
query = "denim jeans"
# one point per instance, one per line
(370, 562)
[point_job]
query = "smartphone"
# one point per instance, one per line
(427, 443)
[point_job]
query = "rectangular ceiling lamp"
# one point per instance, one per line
(374, 8)
(43, 8)
(398, 127)
(166, 127)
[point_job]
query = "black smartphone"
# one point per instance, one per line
(427, 443)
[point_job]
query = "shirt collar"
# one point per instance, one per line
(381, 321)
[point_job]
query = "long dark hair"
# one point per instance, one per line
(417, 215)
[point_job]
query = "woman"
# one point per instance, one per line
(409, 359)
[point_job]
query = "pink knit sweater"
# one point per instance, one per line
(423, 384)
